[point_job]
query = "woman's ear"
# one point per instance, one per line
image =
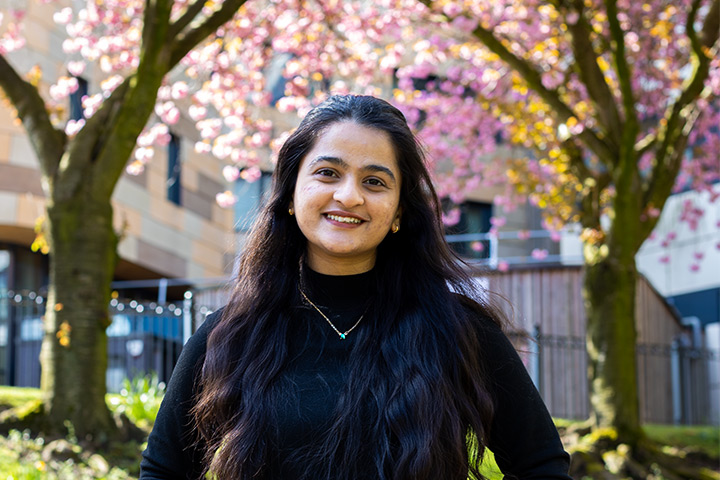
(395, 227)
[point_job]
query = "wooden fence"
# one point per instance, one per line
(547, 303)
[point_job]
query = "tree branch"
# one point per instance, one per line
(47, 141)
(624, 73)
(593, 78)
(179, 25)
(551, 97)
(82, 150)
(711, 27)
(156, 20)
(193, 37)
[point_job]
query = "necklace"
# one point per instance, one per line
(341, 334)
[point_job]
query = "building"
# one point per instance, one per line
(170, 224)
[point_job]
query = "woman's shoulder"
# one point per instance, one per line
(197, 344)
(479, 314)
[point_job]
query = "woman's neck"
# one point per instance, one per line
(340, 265)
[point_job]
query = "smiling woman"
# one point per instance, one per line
(347, 198)
(354, 346)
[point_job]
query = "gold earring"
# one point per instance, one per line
(395, 228)
(291, 211)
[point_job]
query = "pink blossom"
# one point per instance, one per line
(523, 234)
(231, 173)
(203, 147)
(477, 246)
(698, 255)
(91, 104)
(251, 174)
(225, 199)
(555, 236)
(74, 126)
(76, 68)
(503, 266)
(664, 259)
(451, 217)
(498, 221)
(539, 254)
(694, 267)
(63, 88)
(144, 154)
(135, 168)
(197, 112)
(179, 90)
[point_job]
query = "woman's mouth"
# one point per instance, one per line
(341, 219)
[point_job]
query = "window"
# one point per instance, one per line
(174, 170)
(250, 197)
(474, 218)
(76, 108)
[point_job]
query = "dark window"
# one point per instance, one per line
(250, 197)
(174, 170)
(76, 108)
(474, 218)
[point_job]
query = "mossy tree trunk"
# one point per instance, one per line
(74, 351)
(79, 175)
(609, 293)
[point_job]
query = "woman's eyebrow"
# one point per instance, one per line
(380, 169)
(342, 163)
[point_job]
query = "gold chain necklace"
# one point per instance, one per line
(341, 334)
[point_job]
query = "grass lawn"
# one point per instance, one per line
(701, 437)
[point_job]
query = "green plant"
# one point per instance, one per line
(139, 399)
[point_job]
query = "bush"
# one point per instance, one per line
(139, 400)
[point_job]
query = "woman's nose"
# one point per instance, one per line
(348, 193)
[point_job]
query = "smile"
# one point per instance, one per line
(340, 219)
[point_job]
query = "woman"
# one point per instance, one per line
(354, 345)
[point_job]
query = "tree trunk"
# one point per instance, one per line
(74, 350)
(609, 294)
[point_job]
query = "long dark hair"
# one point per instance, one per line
(418, 367)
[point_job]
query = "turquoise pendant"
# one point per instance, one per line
(342, 336)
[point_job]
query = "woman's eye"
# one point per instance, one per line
(326, 172)
(376, 182)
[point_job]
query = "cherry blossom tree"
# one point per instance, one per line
(136, 44)
(613, 105)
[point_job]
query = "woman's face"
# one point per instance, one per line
(347, 197)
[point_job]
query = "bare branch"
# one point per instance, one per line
(47, 141)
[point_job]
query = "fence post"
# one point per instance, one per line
(187, 316)
(534, 358)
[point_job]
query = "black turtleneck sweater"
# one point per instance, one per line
(523, 438)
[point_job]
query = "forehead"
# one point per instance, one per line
(353, 143)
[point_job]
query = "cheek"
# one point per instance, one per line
(308, 197)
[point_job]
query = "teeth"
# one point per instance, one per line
(338, 218)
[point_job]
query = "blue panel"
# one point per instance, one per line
(704, 304)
